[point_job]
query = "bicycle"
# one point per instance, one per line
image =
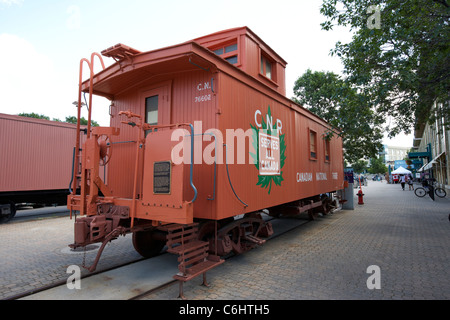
(422, 191)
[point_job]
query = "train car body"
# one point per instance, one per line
(35, 161)
(200, 131)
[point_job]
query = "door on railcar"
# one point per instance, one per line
(154, 104)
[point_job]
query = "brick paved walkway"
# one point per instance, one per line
(407, 237)
(35, 254)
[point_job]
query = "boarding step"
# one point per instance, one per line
(199, 268)
(193, 256)
(254, 239)
(180, 234)
(188, 247)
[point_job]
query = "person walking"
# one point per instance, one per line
(410, 182)
(402, 181)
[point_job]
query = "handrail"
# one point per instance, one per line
(192, 164)
(191, 173)
(146, 126)
(73, 165)
(91, 82)
(77, 144)
(229, 179)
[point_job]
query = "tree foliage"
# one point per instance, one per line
(359, 166)
(34, 115)
(377, 166)
(403, 65)
(83, 121)
(70, 119)
(350, 113)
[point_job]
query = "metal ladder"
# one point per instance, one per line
(193, 256)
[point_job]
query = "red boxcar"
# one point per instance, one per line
(35, 161)
(201, 132)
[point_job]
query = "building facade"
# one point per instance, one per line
(393, 156)
(431, 144)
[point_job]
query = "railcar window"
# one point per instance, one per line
(327, 150)
(232, 60)
(227, 51)
(218, 51)
(231, 48)
(312, 145)
(268, 70)
(266, 67)
(151, 110)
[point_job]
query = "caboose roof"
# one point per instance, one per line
(133, 67)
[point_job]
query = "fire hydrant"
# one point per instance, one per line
(360, 197)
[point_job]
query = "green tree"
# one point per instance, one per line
(34, 115)
(83, 121)
(402, 63)
(348, 112)
(377, 166)
(359, 166)
(70, 119)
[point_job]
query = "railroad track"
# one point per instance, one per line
(131, 280)
(26, 215)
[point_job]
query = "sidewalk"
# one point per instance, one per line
(407, 237)
(36, 253)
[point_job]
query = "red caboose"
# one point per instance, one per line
(32, 171)
(201, 132)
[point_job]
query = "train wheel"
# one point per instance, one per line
(242, 234)
(207, 232)
(148, 243)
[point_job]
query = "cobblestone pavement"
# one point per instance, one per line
(36, 254)
(407, 237)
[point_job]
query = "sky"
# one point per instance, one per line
(42, 42)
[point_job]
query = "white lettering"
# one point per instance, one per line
(269, 154)
(204, 98)
(269, 122)
(215, 146)
(240, 135)
(374, 21)
(321, 176)
(203, 86)
(74, 282)
(279, 126)
(207, 311)
(181, 152)
(304, 176)
(258, 124)
(374, 281)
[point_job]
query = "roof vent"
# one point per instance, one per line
(120, 52)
